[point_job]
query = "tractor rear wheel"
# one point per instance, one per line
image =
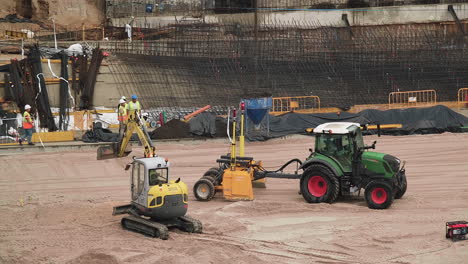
(319, 184)
(204, 189)
(403, 187)
(379, 195)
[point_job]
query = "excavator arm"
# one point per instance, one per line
(121, 148)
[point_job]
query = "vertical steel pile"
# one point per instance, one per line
(90, 77)
(64, 108)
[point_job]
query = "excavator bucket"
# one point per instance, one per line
(111, 151)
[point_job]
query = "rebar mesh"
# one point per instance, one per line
(218, 64)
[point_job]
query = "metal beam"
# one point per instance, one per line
(455, 17)
(344, 17)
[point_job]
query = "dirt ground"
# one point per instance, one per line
(57, 208)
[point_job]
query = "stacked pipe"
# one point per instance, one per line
(42, 97)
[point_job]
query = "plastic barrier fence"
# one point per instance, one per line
(412, 99)
(305, 104)
(462, 98)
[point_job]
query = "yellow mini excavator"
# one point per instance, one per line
(157, 203)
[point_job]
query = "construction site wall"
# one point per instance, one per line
(359, 17)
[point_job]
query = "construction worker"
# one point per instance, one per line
(122, 116)
(145, 117)
(134, 106)
(28, 125)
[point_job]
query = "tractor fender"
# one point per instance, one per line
(377, 179)
(309, 162)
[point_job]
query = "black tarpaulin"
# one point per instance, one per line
(203, 124)
(436, 119)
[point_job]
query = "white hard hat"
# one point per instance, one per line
(122, 101)
(144, 114)
(123, 98)
(26, 107)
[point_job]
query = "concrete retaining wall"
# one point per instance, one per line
(357, 17)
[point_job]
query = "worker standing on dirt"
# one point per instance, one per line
(122, 116)
(28, 125)
(134, 106)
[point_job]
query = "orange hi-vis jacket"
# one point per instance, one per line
(27, 120)
(122, 113)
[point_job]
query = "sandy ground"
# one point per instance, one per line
(56, 208)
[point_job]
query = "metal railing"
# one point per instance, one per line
(462, 97)
(412, 99)
(306, 104)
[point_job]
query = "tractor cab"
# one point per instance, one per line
(340, 141)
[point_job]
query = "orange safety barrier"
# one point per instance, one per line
(412, 99)
(295, 104)
(462, 98)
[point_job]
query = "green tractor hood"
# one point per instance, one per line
(380, 163)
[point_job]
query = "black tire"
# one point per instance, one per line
(212, 172)
(403, 187)
(204, 190)
(379, 195)
(319, 184)
(211, 178)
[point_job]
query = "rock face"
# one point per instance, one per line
(65, 12)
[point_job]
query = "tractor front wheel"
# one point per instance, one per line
(379, 195)
(319, 184)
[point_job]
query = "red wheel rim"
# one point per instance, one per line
(379, 195)
(317, 186)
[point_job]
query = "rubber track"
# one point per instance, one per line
(196, 224)
(144, 226)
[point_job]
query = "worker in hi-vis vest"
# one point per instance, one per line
(28, 125)
(122, 116)
(134, 106)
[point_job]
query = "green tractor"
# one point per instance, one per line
(341, 165)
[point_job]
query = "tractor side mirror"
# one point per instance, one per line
(178, 180)
(127, 167)
(373, 144)
(311, 150)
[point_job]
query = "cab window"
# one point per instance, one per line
(158, 176)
